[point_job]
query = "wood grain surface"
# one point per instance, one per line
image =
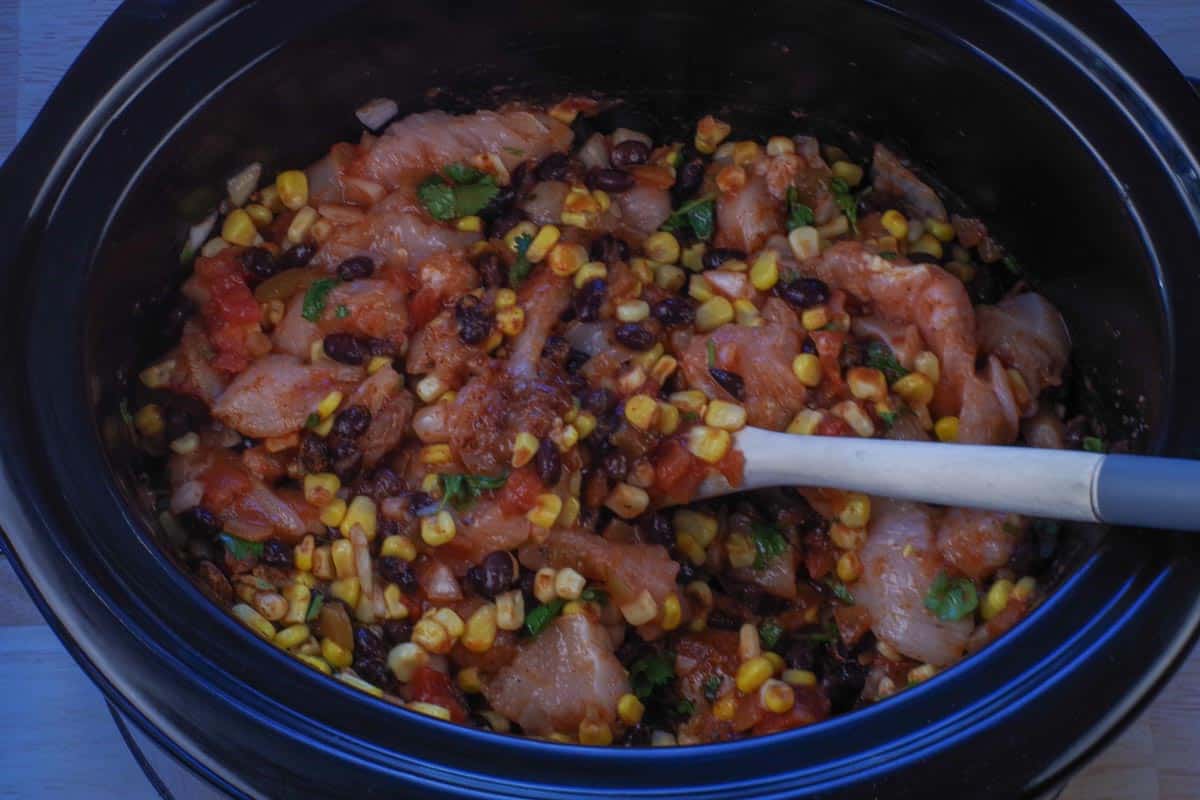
(58, 739)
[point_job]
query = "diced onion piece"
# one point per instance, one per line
(376, 113)
(243, 184)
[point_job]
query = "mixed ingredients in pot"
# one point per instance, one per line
(439, 406)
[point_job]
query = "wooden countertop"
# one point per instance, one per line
(59, 741)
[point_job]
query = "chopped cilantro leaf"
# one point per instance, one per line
(1012, 265)
(698, 215)
(537, 620)
(799, 214)
(769, 543)
(467, 191)
(712, 685)
(840, 591)
(472, 198)
(240, 549)
(461, 490)
(890, 255)
(951, 599)
(845, 201)
(711, 349)
(341, 312)
(685, 708)
(314, 606)
(888, 418)
(881, 357)
(313, 420)
(437, 197)
(769, 634)
(521, 268)
(315, 298)
(1093, 444)
(594, 595)
(461, 173)
(650, 673)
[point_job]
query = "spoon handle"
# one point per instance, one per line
(1060, 484)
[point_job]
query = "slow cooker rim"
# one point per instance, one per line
(489, 734)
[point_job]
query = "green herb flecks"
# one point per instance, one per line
(698, 215)
(313, 420)
(650, 673)
(799, 215)
(241, 549)
(769, 543)
(594, 595)
(1011, 264)
(951, 599)
(459, 191)
(845, 201)
(881, 357)
(461, 491)
(314, 606)
(888, 418)
(537, 620)
(710, 349)
(769, 634)
(316, 297)
(521, 268)
(341, 312)
(712, 686)
(1094, 444)
(685, 708)
(840, 591)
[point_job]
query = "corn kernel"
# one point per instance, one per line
(725, 708)
(479, 632)
(471, 224)
(663, 368)
(807, 369)
(343, 558)
(510, 610)
(157, 375)
(329, 404)
(641, 410)
(589, 272)
(361, 512)
(672, 612)
(813, 319)
(570, 513)
(692, 258)
(708, 444)
(847, 538)
(915, 388)
(315, 663)
(213, 246)
(432, 636)
(765, 272)
(437, 529)
(393, 603)
(928, 244)
(506, 298)
(703, 527)
(468, 680)
(298, 598)
(946, 429)
(292, 636)
(565, 259)
(633, 311)
(852, 174)
(631, 379)
(254, 621)
(259, 214)
(348, 590)
(668, 419)
(749, 644)
(928, 365)
(699, 289)
(669, 277)
(322, 566)
(641, 610)
(301, 224)
(853, 415)
(849, 567)
(302, 553)
(776, 696)
(895, 223)
(805, 242)
(525, 447)
(321, 487)
(405, 659)
(149, 420)
(780, 145)
(511, 321)
(805, 422)
(603, 201)
(335, 654)
(238, 228)
(627, 501)
(710, 132)
(547, 237)
(746, 313)
(942, 231)
(430, 388)
(643, 270)
(436, 454)
(713, 313)
(545, 510)
(741, 551)
(799, 677)
(431, 485)
(584, 424)
(292, 187)
(866, 383)
(543, 584)
(185, 444)
(650, 357)
(569, 584)
(753, 673)
(595, 733)
(630, 709)
(519, 230)
(1024, 589)
(429, 709)
(727, 416)
(996, 598)
(690, 401)
(662, 247)
(856, 512)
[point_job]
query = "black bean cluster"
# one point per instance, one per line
(494, 575)
(804, 292)
(474, 322)
(356, 268)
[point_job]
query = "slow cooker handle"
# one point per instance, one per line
(1148, 492)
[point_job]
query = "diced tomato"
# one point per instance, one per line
(829, 350)
(520, 491)
(425, 305)
(819, 555)
(677, 473)
(224, 482)
(833, 426)
(231, 313)
(429, 685)
(732, 466)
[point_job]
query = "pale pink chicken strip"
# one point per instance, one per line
(1027, 333)
(423, 143)
(899, 562)
(193, 374)
(373, 307)
(565, 675)
(762, 356)
(275, 395)
(977, 543)
(748, 217)
(391, 407)
(626, 568)
(484, 528)
(643, 210)
(893, 179)
(544, 296)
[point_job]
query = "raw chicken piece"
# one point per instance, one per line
(643, 210)
(544, 296)
(277, 393)
(192, 373)
(391, 407)
(748, 217)
(627, 569)
(893, 179)
(977, 543)
(568, 673)
(1027, 333)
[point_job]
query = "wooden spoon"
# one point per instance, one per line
(1060, 484)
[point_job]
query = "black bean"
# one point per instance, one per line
(687, 572)
(397, 631)
(521, 179)
(587, 301)
(258, 263)
(373, 671)
(526, 583)
(688, 179)
(629, 153)
(548, 462)
(357, 267)
(352, 422)
(178, 423)
(843, 684)
(809, 346)
(201, 522)
(656, 528)
(609, 249)
(801, 653)
(386, 483)
(675, 311)
(474, 324)
(398, 571)
(556, 349)
(314, 454)
(505, 222)
(491, 270)
(500, 204)
(613, 181)
(634, 336)
(597, 401)
(368, 645)
(730, 381)
(615, 465)
(851, 355)
(805, 292)
(388, 527)
(417, 501)
(345, 348)
(276, 553)
(719, 255)
(346, 457)
(724, 621)
(297, 256)
(575, 361)
(636, 735)
(553, 167)
(494, 575)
